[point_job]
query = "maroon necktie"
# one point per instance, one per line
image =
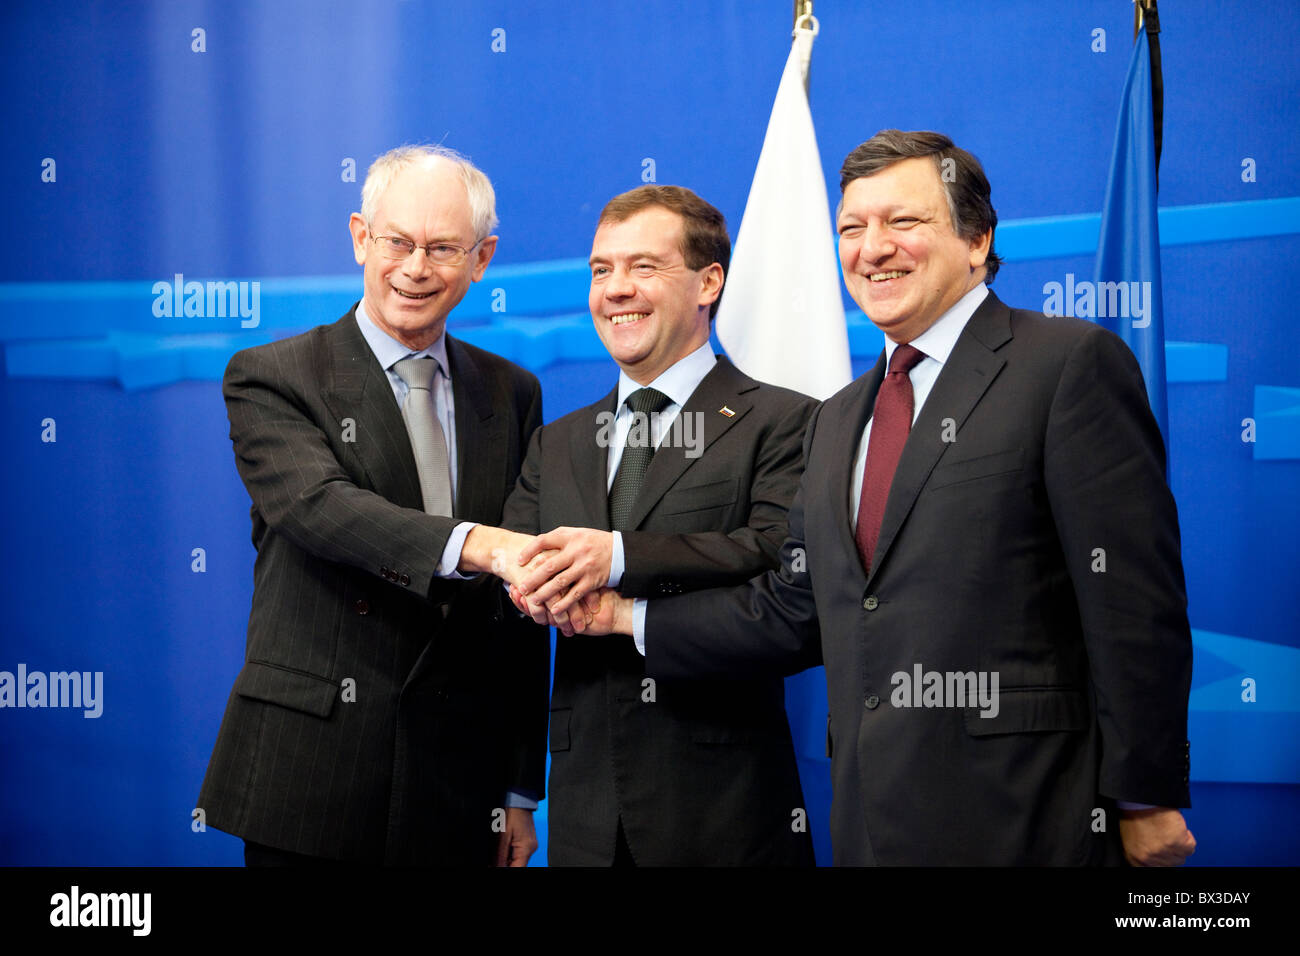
(890, 423)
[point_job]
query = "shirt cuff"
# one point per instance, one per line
(520, 801)
(638, 624)
(616, 562)
(451, 553)
(1130, 805)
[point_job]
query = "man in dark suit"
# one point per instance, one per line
(678, 479)
(984, 553)
(364, 727)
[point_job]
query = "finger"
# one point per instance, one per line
(530, 551)
(565, 602)
(550, 588)
(538, 613)
(539, 570)
(503, 847)
(562, 623)
(561, 617)
(550, 541)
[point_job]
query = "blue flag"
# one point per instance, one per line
(1128, 250)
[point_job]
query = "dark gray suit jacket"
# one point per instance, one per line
(382, 713)
(989, 560)
(701, 772)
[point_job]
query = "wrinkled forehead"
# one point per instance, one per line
(655, 231)
(907, 184)
(428, 200)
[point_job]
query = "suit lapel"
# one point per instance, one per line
(479, 439)
(965, 377)
(723, 387)
(859, 406)
(355, 388)
(589, 460)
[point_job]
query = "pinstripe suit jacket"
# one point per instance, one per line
(382, 712)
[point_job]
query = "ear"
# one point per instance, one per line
(979, 249)
(360, 237)
(711, 284)
(482, 256)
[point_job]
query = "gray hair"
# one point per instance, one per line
(965, 186)
(382, 172)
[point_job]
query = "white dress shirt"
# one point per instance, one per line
(936, 342)
(678, 383)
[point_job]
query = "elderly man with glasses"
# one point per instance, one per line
(363, 727)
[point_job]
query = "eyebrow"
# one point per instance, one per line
(888, 212)
(632, 255)
(402, 233)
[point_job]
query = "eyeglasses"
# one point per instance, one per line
(439, 253)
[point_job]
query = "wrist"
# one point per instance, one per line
(622, 615)
(484, 551)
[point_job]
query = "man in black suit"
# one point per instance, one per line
(678, 479)
(984, 553)
(363, 727)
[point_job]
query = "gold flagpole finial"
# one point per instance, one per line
(1139, 15)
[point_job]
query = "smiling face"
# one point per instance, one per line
(649, 308)
(902, 261)
(411, 298)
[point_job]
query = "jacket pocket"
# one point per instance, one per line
(559, 733)
(297, 690)
(1029, 710)
(714, 494)
(985, 466)
(718, 734)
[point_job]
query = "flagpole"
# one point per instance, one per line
(802, 9)
(1148, 17)
(781, 319)
(1128, 246)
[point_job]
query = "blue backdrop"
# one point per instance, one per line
(224, 141)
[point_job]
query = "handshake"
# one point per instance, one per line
(559, 578)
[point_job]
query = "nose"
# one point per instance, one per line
(619, 284)
(417, 264)
(877, 243)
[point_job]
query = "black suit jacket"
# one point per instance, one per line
(382, 712)
(701, 772)
(1028, 532)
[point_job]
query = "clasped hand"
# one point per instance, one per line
(564, 581)
(558, 578)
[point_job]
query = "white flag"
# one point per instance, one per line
(782, 319)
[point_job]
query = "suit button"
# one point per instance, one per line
(406, 580)
(871, 602)
(362, 606)
(872, 702)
